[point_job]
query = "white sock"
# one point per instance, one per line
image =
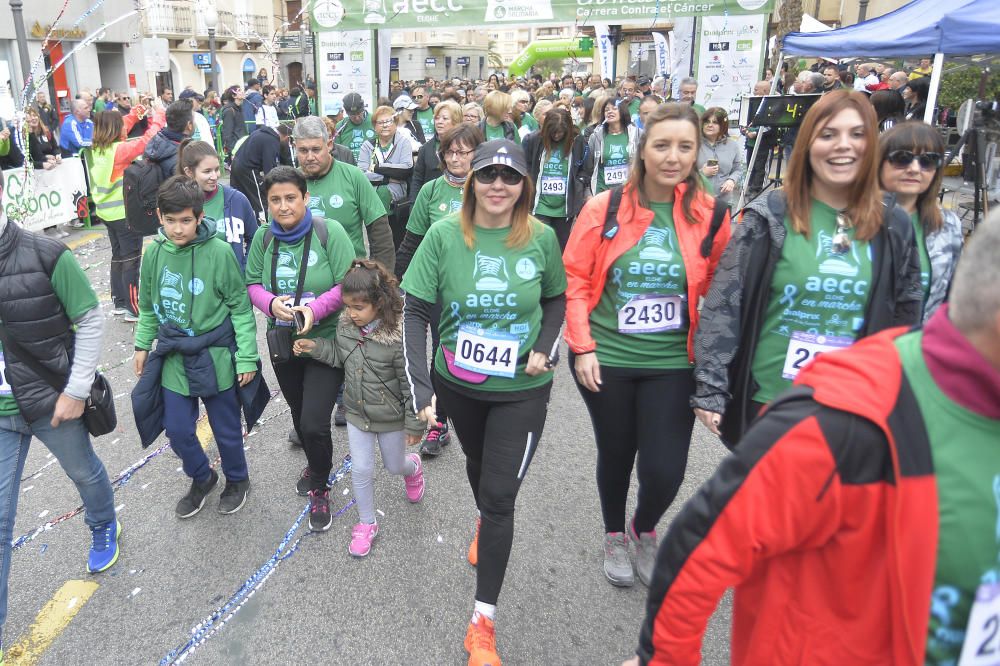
(487, 610)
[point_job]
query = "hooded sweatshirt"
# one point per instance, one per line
(196, 287)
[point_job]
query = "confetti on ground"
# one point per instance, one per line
(135, 592)
(119, 508)
(43, 513)
(28, 488)
(440, 539)
(380, 512)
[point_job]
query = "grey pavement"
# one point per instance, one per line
(407, 603)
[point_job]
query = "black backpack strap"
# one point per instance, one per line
(718, 215)
(268, 237)
(611, 217)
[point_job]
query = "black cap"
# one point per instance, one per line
(191, 94)
(502, 152)
(353, 103)
(644, 81)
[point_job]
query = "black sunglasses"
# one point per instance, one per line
(488, 175)
(904, 158)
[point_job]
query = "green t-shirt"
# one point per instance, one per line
(324, 270)
(196, 288)
(925, 258)
(435, 201)
(491, 297)
(528, 120)
(77, 297)
(345, 195)
(817, 302)
(425, 119)
(497, 133)
(633, 108)
(614, 167)
(641, 320)
(553, 184)
(967, 475)
(353, 136)
(215, 213)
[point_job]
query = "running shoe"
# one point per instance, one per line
(645, 552)
(474, 546)
(104, 549)
(293, 438)
(617, 565)
(340, 415)
(75, 223)
(234, 496)
(118, 312)
(304, 484)
(481, 641)
(130, 317)
(437, 437)
(361, 539)
(319, 510)
(192, 503)
(415, 482)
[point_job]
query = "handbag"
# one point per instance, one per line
(279, 338)
(99, 415)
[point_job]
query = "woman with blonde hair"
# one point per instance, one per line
(812, 268)
(497, 107)
(498, 273)
(110, 155)
(472, 113)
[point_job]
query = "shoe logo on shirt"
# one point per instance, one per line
(616, 152)
(490, 273)
(846, 264)
(657, 245)
(171, 284)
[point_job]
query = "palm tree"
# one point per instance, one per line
(493, 57)
(791, 21)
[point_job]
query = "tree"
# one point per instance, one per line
(493, 57)
(791, 21)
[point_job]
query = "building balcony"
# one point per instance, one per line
(169, 18)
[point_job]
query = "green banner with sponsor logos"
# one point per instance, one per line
(432, 14)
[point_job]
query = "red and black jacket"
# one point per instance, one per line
(825, 521)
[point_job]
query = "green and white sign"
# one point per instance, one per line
(416, 14)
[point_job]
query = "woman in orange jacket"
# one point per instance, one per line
(638, 261)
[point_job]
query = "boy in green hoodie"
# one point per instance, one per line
(190, 282)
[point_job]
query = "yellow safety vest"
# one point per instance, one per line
(107, 196)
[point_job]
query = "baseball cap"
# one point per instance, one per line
(643, 81)
(353, 103)
(404, 102)
(310, 85)
(191, 94)
(502, 152)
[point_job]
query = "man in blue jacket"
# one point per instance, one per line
(77, 130)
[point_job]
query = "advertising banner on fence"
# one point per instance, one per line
(56, 196)
(730, 53)
(416, 14)
(345, 63)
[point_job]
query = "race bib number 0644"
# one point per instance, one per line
(486, 351)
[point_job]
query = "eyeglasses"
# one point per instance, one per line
(385, 123)
(904, 158)
(488, 175)
(458, 153)
(841, 242)
(419, 96)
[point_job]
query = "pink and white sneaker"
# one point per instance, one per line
(415, 482)
(361, 539)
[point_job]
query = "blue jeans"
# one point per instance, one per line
(180, 416)
(70, 444)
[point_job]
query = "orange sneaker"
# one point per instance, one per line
(481, 642)
(474, 546)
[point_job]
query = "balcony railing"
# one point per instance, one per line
(168, 18)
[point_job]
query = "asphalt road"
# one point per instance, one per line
(407, 603)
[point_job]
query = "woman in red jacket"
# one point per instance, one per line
(635, 280)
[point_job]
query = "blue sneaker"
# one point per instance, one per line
(105, 549)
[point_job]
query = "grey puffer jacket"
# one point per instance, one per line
(376, 392)
(943, 248)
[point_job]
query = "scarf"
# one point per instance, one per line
(296, 233)
(959, 369)
(454, 180)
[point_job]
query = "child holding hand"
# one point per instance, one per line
(369, 348)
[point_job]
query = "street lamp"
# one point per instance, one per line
(211, 21)
(22, 38)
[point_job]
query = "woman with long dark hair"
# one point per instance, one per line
(613, 144)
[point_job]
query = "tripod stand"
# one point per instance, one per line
(772, 163)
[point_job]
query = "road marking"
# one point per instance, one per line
(51, 621)
(78, 242)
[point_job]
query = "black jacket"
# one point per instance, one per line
(509, 130)
(33, 316)
(734, 309)
(581, 168)
(162, 150)
(233, 126)
(147, 396)
(40, 146)
(260, 153)
(426, 167)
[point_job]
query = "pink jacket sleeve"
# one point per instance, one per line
(326, 303)
(261, 298)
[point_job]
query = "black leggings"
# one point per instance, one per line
(645, 412)
(499, 440)
(126, 253)
(310, 388)
(561, 225)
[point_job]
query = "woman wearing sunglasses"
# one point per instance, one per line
(559, 162)
(812, 268)
(500, 279)
(612, 143)
(635, 282)
(912, 160)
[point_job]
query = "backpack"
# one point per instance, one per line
(611, 220)
(141, 181)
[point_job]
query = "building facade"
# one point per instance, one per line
(441, 54)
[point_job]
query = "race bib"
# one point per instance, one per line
(651, 313)
(5, 387)
(488, 352)
(615, 175)
(553, 185)
(307, 298)
(804, 347)
(982, 633)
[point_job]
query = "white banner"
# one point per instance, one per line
(54, 198)
(345, 63)
(384, 51)
(730, 51)
(683, 41)
(604, 50)
(662, 54)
